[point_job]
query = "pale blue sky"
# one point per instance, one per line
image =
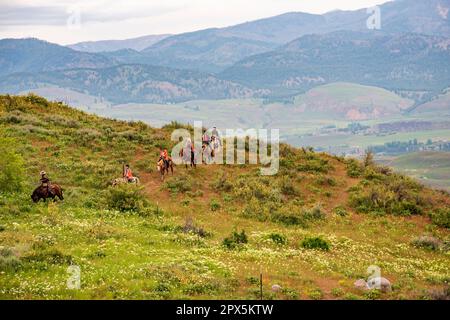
(120, 19)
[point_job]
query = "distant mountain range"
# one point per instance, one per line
(274, 58)
(33, 55)
(138, 44)
(412, 61)
(213, 50)
(133, 83)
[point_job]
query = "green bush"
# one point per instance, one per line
(222, 184)
(9, 262)
(354, 168)
(340, 211)
(315, 243)
(287, 187)
(315, 213)
(394, 194)
(287, 217)
(441, 217)
(278, 238)
(235, 240)
(12, 173)
(315, 165)
(325, 181)
(126, 197)
(214, 205)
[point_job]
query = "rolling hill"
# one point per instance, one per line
(203, 50)
(351, 101)
(432, 168)
(313, 229)
(137, 44)
(440, 104)
(34, 55)
(131, 83)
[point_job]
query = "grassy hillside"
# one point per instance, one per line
(439, 105)
(351, 101)
(433, 168)
(313, 229)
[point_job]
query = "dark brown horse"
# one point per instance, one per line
(164, 166)
(41, 192)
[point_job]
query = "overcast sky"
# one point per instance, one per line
(70, 21)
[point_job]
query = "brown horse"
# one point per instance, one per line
(163, 167)
(41, 192)
(186, 156)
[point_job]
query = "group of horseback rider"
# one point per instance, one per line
(214, 138)
(164, 158)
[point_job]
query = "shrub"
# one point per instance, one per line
(337, 292)
(222, 184)
(441, 217)
(440, 294)
(427, 242)
(287, 217)
(326, 181)
(340, 211)
(189, 227)
(395, 194)
(9, 262)
(315, 243)
(287, 187)
(368, 159)
(214, 205)
(12, 167)
(315, 165)
(315, 294)
(372, 294)
(278, 238)
(235, 240)
(126, 197)
(315, 213)
(354, 168)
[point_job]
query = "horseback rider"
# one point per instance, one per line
(127, 174)
(45, 182)
(205, 138)
(164, 155)
(215, 135)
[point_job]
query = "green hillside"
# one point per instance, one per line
(351, 101)
(433, 168)
(313, 229)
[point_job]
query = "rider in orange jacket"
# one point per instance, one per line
(128, 174)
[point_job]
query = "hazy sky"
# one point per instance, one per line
(69, 21)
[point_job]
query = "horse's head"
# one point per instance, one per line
(35, 196)
(160, 164)
(115, 182)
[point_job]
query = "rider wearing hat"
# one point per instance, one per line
(45, 182)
